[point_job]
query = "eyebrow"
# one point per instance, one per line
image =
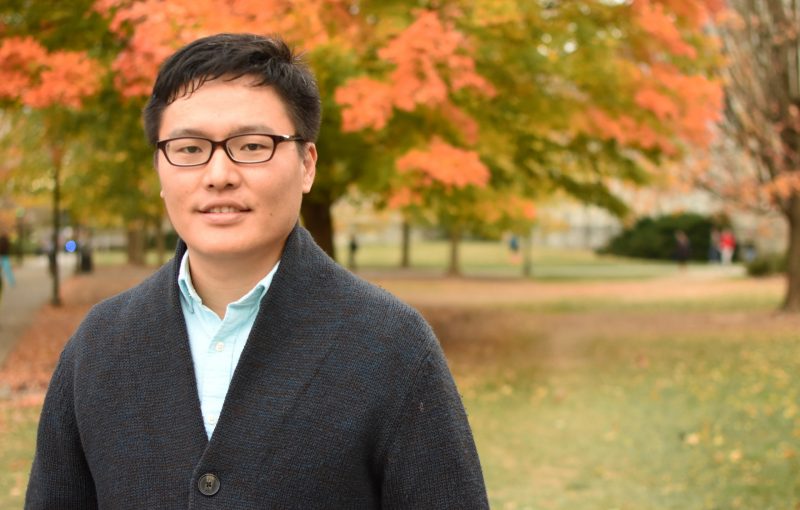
(241, 130)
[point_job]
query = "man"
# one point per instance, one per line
(250, 371)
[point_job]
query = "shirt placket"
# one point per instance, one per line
(218, 369)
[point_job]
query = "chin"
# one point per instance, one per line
(230, 249)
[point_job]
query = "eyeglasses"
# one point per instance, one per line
(248, 149)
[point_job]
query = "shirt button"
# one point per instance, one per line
(208, 484)
(219, 346)
(212, 420)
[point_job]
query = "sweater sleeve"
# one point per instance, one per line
(60, 476)
(431, 460)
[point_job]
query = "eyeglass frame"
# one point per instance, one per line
(276, 139)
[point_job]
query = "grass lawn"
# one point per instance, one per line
(492, 258)
(699, 421)
(668, 391)
(480, 258)
(18, 438)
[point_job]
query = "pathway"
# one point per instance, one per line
(19, 304)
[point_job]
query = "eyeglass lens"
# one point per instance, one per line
(252, 148)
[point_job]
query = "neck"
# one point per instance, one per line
(221, 282)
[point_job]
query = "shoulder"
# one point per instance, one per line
(353, 299)
(367, 327)
(307, 269)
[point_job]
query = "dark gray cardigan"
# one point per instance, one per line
(341, 399)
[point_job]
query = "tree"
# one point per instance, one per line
(570, 96)
(51, 86)
(106, 174)
(573, 96)
(430, 63)
(758, 161)
(594, 93)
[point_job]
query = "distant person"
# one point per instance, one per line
(51, 252)
(6, 272)
(713, 246)
(513, 246)
(683, 248)
(251, 371)
(727, 246)
(749, 252)
(352, 249)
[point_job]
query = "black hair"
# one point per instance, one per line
(230, 56)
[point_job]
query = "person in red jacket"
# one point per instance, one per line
(727, 245)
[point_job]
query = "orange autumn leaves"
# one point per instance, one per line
(682, 107)
(445, 171)
(658, 19)
(430, 62)
(154, 29)
(659, 106)
(441, 166)
(673, 107)
(39, 79)
(438, 162)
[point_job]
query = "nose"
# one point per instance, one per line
(220, 172)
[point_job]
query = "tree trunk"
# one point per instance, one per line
(405, 257)
(136, 243)
(77, 236)
(527, 256)
(20, 237)
(454, 268)
(57, 155)
(791, 302)
(318, 220)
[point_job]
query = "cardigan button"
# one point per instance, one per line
(208, 484)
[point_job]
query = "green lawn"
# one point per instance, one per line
(18, 438)
(492, 258)
(483, 258)
(704, 423)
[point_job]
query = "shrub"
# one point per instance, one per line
(767, 265)
(654, 238)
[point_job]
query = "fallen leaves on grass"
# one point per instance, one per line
(26, 373)
(30, 365)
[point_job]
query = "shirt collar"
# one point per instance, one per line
(191, 298)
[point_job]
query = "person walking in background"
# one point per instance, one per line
(6, 272)
(683, 248)
(713, 246)
(727, 246)
(251, 371)
(513, 246)
(352, 250)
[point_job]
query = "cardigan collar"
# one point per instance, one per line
(286, 343)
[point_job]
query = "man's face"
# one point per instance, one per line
(228, 211)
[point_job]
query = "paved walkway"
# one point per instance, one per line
(19, 304)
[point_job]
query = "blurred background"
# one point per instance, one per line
(596, 203)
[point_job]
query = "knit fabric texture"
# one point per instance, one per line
(342, 399)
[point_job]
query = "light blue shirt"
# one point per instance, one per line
(217, 344)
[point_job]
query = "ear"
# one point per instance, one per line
(309, 167)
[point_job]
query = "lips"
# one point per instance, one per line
(226, 208)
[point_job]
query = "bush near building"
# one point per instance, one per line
(654, 238)
(767, 265)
